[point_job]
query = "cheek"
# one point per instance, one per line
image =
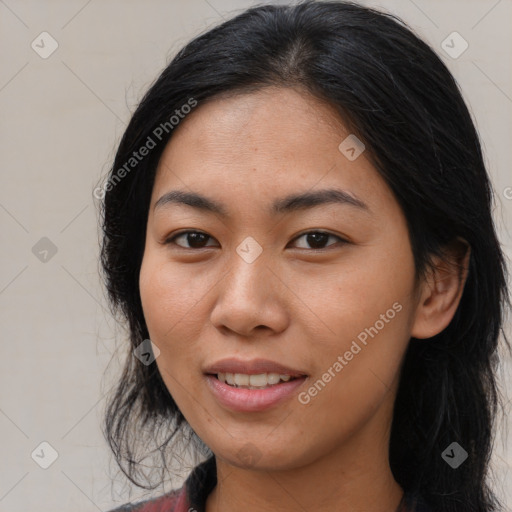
(168, 294)
(356, 364)
(364, 311)
(171, 301)
(352, 296)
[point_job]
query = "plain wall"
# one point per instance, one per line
(61, 118)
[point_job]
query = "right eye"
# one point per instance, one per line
(195, 239)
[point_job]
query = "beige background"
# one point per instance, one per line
(61, 118)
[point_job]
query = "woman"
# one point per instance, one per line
(299, 219)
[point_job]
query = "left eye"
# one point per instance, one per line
(318, 239)
(196, 239)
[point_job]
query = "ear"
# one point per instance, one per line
(441, 291)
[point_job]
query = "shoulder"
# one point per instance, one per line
(191, 496)
(165, 503)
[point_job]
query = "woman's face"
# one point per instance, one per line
(330, 314)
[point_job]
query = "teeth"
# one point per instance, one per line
(272, 378)
(259, 381)
(242, 380)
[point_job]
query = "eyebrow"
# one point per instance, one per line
(290, 203)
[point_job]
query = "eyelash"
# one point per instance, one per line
(172, 239)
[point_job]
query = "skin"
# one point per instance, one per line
(293, 304)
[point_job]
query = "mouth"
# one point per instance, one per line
(254, 381)
(251, 386)
(252, 374)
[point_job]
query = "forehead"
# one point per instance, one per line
(277, 121)
(262, 144)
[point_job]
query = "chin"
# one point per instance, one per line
(261, 456)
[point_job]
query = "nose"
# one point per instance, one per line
(250, 298)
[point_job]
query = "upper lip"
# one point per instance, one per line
(251, 367)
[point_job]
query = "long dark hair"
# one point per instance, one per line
(393, 91)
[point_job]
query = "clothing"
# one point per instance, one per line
(191, 497)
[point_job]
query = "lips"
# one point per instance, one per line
(251, 367)
(273, 383)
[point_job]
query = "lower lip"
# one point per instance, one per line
(252, 400)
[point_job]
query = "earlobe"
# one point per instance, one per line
(442, 290)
